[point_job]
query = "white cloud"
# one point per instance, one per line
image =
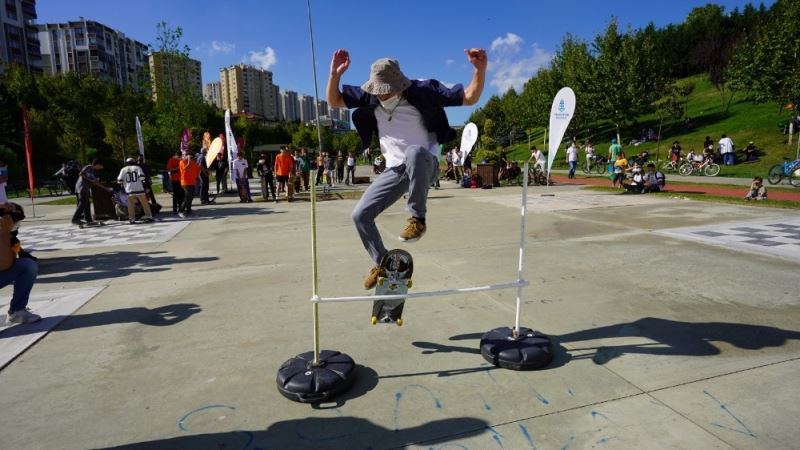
(221, 47)
(509, 67)
(450, 62)
(511, 43)
(263, 60)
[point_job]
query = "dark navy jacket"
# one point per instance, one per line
(428, 96)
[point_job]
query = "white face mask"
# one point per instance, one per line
(390, 103)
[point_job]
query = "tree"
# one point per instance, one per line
(119, 119)
(670, 106)
(767, 64)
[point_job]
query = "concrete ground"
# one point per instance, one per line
(661, 342)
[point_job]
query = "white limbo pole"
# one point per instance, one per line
(523, 210)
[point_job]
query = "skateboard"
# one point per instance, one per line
(97, 223)
(396, 270)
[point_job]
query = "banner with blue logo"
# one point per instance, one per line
(560, 117)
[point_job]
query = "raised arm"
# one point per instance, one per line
(477, 57)
(339, 64)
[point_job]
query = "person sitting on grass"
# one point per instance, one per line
(620, 167)
(653, 180)
(637, 180)
(757, 190)
(751, 152)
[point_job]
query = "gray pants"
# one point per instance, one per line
(414, 176)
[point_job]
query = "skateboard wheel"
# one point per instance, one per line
(399, 322)
(409, 284)
(374, 320)
(380, 281)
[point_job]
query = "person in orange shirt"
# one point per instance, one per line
(173, 167)
(284, 164)
(189, 171)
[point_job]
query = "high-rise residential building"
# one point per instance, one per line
(175, 73)
(306, 106)
(290, 106)
(86, 47)
(19, 39)
(322, 108)
(335, 114)
(212, 94)
(344, 116)
(276, 96)
(248, 89)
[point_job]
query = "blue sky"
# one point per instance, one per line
(427, 37)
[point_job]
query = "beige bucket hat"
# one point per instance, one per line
(385, 77)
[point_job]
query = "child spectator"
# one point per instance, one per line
(620, 167)
(757, 190)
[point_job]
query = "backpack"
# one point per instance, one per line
(661, 180)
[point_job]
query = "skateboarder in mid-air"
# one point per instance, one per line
(409, 120)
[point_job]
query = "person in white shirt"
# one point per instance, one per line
(572, 159)
(537, 157)
(132, 179)
(240, 175)
(351, 169)
(409, 120)
(458, 164)
(726, 150)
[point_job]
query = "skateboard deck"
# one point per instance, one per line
(395, 279)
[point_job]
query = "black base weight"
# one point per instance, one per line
(301, 381)
(530, 350)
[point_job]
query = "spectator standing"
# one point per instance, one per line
(675, 152)
(132, 178)
(757, 190)
(458, 164)
(155, 207)
(589, 149)
(613, 150)
(340, 163)
(351, 169)
(620, 167)
(572, 159)
(330, 168)
(21, 272)
(173, 167)
(240, 167)
(306, 168)
(320, 168)
(86, 179)
(205, 179)
(3, 181)
(284, 164)
(221, 172)
(726, 150)
(296, 176)
(448, 158)
(189, 170)
(264, 169)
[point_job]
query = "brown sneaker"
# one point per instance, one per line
(372, 278)
(414, 230)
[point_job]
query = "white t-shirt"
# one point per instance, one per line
(351, 161)
(457, 159)
(589, 150)
(405, 130)
(539, 156)
(240, 167)
(132, 178)
(725, 145)
(572, 153)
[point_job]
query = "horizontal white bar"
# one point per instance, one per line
(370, 298)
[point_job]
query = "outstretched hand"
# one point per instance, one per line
(340, 62)
(477, 57)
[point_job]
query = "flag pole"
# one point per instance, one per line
(29, 157)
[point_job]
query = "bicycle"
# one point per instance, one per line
(789, 169)
(536, 175)
(707, 168)
(598, 164)
(671, 166)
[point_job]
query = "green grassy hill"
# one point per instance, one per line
(744, 122)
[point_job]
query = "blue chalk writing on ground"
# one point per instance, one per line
(498, 438)
(486, 405)
(182, 420)
(398, 398)
(527, 435)
(569, 442)
(747, 431)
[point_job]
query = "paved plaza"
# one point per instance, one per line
(676, 324)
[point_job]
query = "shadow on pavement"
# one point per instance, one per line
(325, 433)
(156, 317)
(673, 337)
(108, 265)
(366, 380)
